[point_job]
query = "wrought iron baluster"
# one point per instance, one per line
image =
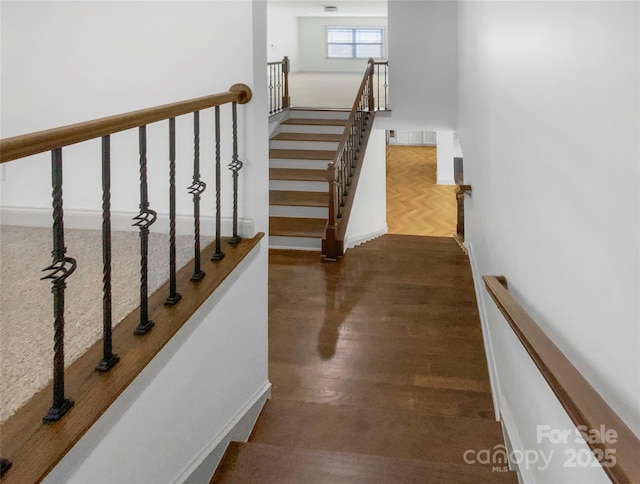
(173, 296)
(196, 189)
(144, 220)
(378, 85)
(235, 166)
(61, 268)
(218, 254)
(386, 100)
(279, 93)
(353, 144)
(108, 360)
(345, 175)
(339, 184)
(352, 158)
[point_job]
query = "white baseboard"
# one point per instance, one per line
(496, 392)
(365, 238)
(203, 466)
(445, 181)
(121, 221)
(513, 441)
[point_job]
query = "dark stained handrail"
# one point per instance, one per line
(50, 139)
(339, 175)
(581, 401)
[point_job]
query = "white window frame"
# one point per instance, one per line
(353, 42)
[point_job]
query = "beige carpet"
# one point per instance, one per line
(324, 89)
(26, 302)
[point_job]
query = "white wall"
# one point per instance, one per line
(549, 121)
(423, 69)
(313, 43)
(445, 153)
(368, 217)
(282, 36)
(67, 62)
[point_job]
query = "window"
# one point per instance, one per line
(355, 43)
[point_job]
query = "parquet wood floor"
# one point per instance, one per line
(416, 205)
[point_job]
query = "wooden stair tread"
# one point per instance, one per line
(335, 138)
(373, 431)
(297, 174)
(297, 226)
(298, 199)
(250, 462)
(422, 399)
(286, 154)
(395, 243)
(316, 122)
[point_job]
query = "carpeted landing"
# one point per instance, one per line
(26, 302)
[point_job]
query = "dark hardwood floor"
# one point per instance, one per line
(378, 370)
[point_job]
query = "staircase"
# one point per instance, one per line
(381, 379)
(298, 193)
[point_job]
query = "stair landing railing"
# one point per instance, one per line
(278, 85)
(343, 171)
(63, 265)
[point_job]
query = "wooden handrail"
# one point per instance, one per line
(50, 139)
(332, 244)
(354, 110)
(461, 189)
(581, 401)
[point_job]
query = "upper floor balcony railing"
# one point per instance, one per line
(278, 85)
(31, 445)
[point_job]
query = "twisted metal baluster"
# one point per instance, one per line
(108, 360)
(218, 254)
(196, 189)
(174, 296)
(144, 220)
(235, 166)
(61, 268)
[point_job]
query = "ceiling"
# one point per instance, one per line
(346, 8)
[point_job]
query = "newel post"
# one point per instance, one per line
(460, 191)
(286, 99)
(330, 242)
(370, 69)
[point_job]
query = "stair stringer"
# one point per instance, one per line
(367, 218)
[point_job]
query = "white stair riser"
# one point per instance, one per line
(303, 164)
(312, 114)
(298, 186)
(303, 145)
(300, 212)
(306, 128)
(300, 243)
